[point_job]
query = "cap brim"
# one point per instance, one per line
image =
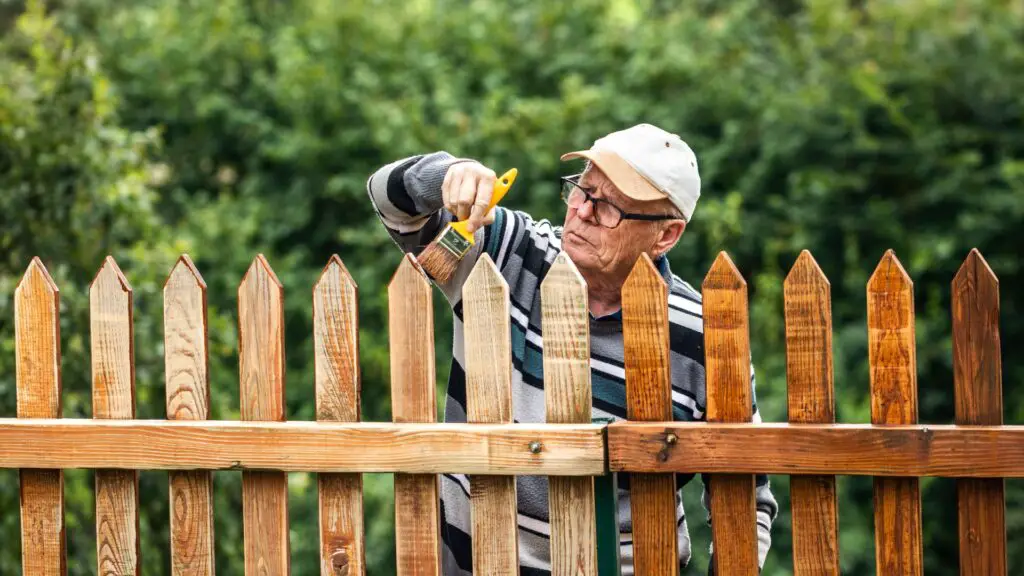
(624, 176)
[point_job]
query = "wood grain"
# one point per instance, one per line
(414, 399)
(815, 449)
(37, 366)
(337, 385)
(188, 398)
(568, 449)
(261, 366)
(565, 321)
(113, 397)
(808, 309)
(977, 377)
(488, 350)
(727, 361)
(649, 397)
(893, 366)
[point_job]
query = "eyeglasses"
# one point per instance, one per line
(607, 214)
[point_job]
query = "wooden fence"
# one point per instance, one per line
(578, 456)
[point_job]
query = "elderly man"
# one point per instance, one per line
(636, 195)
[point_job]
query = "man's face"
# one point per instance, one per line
(612, 252)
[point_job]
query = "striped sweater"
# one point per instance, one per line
(407, 197)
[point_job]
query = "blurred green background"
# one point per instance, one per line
(149, 128)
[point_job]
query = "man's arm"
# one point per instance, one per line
(767, 507)
(407, 195)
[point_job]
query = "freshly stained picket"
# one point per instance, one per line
(727, 361)
(261, 367)
(489, 399)
(188, 398)
(977, 377)
(808, 309)
(649, 398)
(414, 399)
(336, 366)
(566, 326)
(113, 397)
(893, 365)
(37, 355)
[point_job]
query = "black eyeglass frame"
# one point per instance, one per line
(574, 182)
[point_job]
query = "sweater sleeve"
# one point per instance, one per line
(406, 195)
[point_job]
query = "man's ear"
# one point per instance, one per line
(670, 233)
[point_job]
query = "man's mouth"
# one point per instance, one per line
(578, 238)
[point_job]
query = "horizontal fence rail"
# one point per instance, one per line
(580, 458)
(492, 449)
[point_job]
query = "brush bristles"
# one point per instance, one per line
(438, 261)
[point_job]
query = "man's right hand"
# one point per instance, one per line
(467, 191)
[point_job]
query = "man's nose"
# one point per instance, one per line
(586, 211)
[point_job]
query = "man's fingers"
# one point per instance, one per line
(489, 218)
(466, 195)
(450, 188)
(484, 191)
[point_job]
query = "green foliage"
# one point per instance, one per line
(845, 130)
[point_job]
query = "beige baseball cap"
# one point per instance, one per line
(647, 163)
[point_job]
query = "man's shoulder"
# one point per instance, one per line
(683, 296)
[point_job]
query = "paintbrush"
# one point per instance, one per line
(441, 257)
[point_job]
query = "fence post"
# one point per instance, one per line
(977, 374)
(727, 361)
(113, 396)
(488, 349)
(808, 307)
(261, 366)
(649, 398)
(565, 321)
(414, 399)
(336, 368)
(188, 398)
(37, 354)
(893, 363)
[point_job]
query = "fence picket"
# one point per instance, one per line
(892, 357)
(37, 355)
(566, 326)
(188, 398)
(808, 305)
(113, 397)
(489, 399)
(414, 399)
(649, 398)
(261, 367)
(727, 349)
(977, 375)
(336, 358)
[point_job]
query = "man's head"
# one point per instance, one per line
(636, 195)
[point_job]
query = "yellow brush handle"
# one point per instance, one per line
(501, 187)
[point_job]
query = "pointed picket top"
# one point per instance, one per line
(808, 313)
(485, 274)
(261, 267)
(889, 276)
(109, 278)
(977, 364)
(566, 326)
(37, 279)
(409, 271)
(261, 342)
(335, 341)
(185, 343)
(806, 274)
(723, 275)
(488, 345)
(184, 274)
(644, 276)
(37, 343)
(975, 276)
(892, 353)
